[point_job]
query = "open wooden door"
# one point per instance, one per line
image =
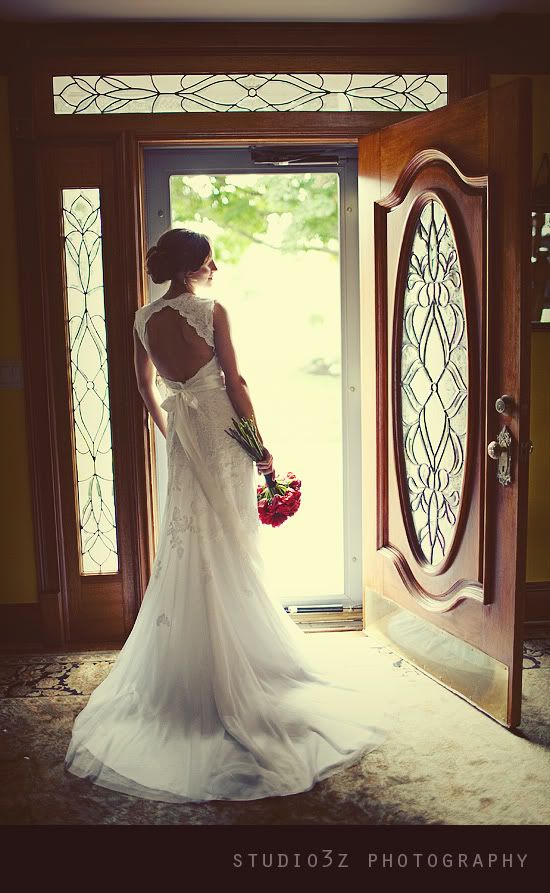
(444, 238)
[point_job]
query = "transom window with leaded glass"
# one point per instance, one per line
(159, 93)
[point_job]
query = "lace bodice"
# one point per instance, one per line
(197, 311)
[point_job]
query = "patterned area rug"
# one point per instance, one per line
(50, 675)
(444, 763)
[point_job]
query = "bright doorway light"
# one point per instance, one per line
(284, 308)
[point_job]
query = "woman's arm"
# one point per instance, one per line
(145, 376)
(235, 384)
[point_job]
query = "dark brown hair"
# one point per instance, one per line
(177, 251)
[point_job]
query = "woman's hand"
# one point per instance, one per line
(265, 466)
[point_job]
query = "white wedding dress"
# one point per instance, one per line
(216, 693)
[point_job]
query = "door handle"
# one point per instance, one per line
(505, 404)
(501, 451)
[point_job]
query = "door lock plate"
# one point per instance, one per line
(501, 451)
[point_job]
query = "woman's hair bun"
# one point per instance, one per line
(177, 251)
(158, 265)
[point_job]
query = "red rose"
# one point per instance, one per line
(274, 509)
(293, 497)
(277, 520)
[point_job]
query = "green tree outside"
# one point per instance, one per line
(309, 204)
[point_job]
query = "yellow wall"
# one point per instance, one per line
(18, 578)
(538, 523)
(538, 542)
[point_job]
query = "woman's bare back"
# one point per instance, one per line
(175, 347)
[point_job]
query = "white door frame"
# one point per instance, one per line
(159, 164)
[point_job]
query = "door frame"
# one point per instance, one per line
(37, 133)
(158, 166)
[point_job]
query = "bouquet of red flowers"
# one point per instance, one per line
(280, 498)
(277, 504)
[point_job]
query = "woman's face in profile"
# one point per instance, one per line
(203, 277)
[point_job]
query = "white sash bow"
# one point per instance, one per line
(183, 403)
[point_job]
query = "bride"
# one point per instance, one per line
(216, 693)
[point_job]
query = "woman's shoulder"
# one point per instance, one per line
(146, 309)
(219, 309)
(142, 317)
(198, 306)
(143, 313)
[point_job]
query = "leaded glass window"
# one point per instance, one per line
(157, 93)
(434, 382)
(89, 379)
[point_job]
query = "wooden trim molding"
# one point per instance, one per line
(537, 610)
(37, 394)
(504, 33)
(534, 629)
(127, 38)
(20, 625)
(537, 602)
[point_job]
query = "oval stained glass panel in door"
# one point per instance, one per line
(434, 382)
